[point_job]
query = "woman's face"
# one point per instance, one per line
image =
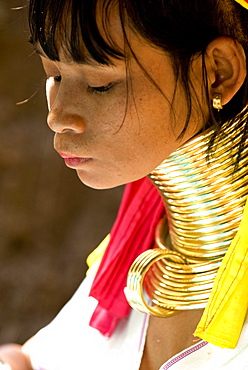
(111, 123)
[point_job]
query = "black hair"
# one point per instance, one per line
(181, 28)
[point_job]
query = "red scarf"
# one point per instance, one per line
(132, 233)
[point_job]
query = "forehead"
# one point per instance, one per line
(82, 32)
(106, 39)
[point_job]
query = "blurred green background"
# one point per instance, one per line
(49, 221)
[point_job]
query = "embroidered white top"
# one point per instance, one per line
(70, 343)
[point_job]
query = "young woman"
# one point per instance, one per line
(152, 94)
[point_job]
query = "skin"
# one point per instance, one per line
(15, 356)
(114, 145)
(119, 136)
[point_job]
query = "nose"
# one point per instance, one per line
(65, 109)
(61, 121)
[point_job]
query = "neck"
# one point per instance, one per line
(204, 198)
(203, 195)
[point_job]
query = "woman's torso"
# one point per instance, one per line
(69, 343)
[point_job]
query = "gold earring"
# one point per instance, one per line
(217, 102)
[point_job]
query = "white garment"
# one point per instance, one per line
(69, 343)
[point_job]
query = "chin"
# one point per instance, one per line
(98, 182)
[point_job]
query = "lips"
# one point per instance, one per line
(65, 156)
(73, 161)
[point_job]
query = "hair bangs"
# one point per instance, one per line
(80, 30)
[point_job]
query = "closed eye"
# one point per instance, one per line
(100, 89)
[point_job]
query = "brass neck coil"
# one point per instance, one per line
(204, 199)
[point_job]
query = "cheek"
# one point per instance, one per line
(110, 113)
(150, 118)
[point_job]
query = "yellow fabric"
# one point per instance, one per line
(243, 3)
(223, 318)
(94, 259)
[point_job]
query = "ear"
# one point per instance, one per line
(226, 67)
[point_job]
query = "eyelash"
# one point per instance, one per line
(100, 89)
(91, 89)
